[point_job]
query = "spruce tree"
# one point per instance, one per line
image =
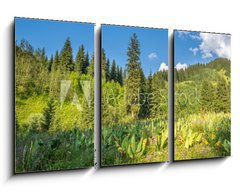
(66, 57)
(103, 64)
(55, 65)
(207, 96)
(91, 67)
(133, 81)
(222, 99)
(48, 114)
(113, 71)
(120, 77)
(50, 63)
(80, 59)
(86, 63)
(108, 75)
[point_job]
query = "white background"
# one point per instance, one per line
(204, 175)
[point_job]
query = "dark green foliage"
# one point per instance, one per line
(47, 151)
(55, 65)
(207, 96)
(80, 59)
(114, 71)
(108, 75)
(133, 80)
(86, 63)
(66, 57)
(91, 67)
(120, 76)
(48, 114)
(50, 63)
(222, 98)
(103, 64)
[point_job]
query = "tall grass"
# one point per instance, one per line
(202, 136)
(131, 143)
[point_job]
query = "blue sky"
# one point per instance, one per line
(51, 35)
(153, 45)
(200, 47)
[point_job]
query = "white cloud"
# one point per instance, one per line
(152, 56)
(180, 66)
(197, 37)
(218, 44)
(182, 34)
(163, 67)
(194, 50)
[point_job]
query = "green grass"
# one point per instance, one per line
(131, 143)
(202, 136)
(64, 146)
(26, 107)
(54, 151)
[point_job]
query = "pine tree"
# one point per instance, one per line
(103, 65)
(85, 63)
(207, 96)
(91, 67)
(133, 81)
(149, 95)
(80, 59)
(55, 65)
(108, 75)
(143, 112)
(113, 71)
(120, 77)
(222, 99)
(66, 57)
(48, 114)
(50, 63)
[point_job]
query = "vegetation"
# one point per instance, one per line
(54, 109)
(202, 110)
(134, 111)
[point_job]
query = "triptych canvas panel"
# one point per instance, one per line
(54, 95)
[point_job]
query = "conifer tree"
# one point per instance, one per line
(120, 76)
(207, 96)
(222, 100)
(133, 81)
(86, 63)
(50, 63)
(55, 65)
(48, 114)
(80, 59)
(66, 57)
(103, 64)
(113, 71)
(108, 75)
(91, 66)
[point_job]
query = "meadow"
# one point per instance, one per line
(202, 111)
(53, 109)
(134, 111)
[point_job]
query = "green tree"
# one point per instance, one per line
(80, 59)
(108, 75)
(207, 96)
(103, 64)
(91, 67)
(55, 65)
(113, 71)
(133, 81)
(222, 99)
(50, 63)
(48, 114)
(66, 57)
(86, 63)
(120, 76)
